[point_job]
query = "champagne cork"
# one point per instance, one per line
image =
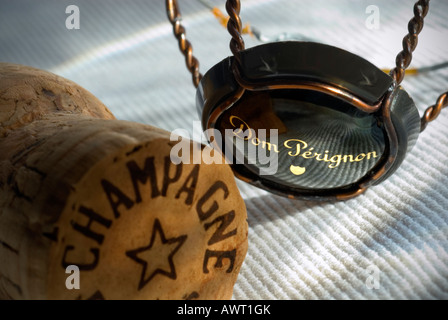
(96, 208)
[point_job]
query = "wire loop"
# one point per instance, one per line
(410, 41)
(185, 47)
(234, 27)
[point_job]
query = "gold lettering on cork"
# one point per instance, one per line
(297, 148)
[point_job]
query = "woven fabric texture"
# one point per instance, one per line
(126, 55)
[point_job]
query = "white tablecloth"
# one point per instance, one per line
(125, 54)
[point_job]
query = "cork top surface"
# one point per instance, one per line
(27, 94)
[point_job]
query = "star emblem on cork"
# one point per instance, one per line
(159, 246)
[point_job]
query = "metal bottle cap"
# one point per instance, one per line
(307, 120)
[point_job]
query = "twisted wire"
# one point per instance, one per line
(234, 26)
(404, 58)
(433, 111)
(185, 47)
(415, 25)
